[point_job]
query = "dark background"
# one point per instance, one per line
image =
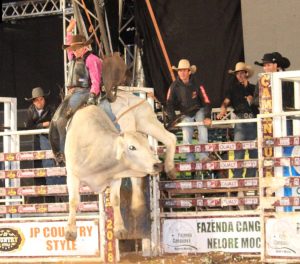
(30, 56)
(207, 32)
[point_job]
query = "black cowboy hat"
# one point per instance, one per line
(77, 42)
(267, 58)
(283, 62)
(274, 57)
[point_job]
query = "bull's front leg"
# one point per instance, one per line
(119, 228)
(155, 129)
(73, 188)
(169, 140)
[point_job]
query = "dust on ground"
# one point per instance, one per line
(207, 258)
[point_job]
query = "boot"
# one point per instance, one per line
(60, 159)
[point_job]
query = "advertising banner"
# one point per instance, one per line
(201, 235)
(283, 236)
(46, 238)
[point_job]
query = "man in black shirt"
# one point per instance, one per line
(39, 115)
(192, 101)
(240, 97)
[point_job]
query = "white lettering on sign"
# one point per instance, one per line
(228, 164)
(250, 182)
(185, 167)
(284, 141)
(199, 184)
(184, 149)
(229, 184)
(209, 147)
(248, 145)
(198, 166)
(185, 185)
(227, 146)
(250, 163)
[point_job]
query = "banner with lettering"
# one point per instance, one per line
(201, 235)
(283, 236)
(46, 238)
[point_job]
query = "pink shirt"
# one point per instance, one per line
(94, 66)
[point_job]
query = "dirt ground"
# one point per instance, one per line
(208, 258)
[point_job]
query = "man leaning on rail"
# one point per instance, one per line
(240, 97)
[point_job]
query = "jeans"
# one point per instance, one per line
(245, 131)
(105, 105)
(71, 104)
(187, 133)
(48, 163)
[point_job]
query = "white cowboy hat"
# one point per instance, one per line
(242, 66)
(185, 64)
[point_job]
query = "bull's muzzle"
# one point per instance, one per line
(158, 167)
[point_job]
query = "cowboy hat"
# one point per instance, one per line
(242, 66)
(77, 42)
(274, 57)
(37, 92)
(185, 64)
(283, 62)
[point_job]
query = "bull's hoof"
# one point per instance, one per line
(120, 233)
(171, 174)
(71, 234)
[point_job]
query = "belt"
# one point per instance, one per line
(245, 115)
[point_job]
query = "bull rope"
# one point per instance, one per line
(129, 109)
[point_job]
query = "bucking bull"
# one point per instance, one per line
(96, 160)
(97, 154)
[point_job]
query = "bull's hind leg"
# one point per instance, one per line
(119, 228)
(138, 199)
(73, 188)
(155, 129)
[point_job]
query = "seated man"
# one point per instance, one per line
(240, 97)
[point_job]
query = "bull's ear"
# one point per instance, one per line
(120, 148)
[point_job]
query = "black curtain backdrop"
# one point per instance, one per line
(30, 56)
(206, 32)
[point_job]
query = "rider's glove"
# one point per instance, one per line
(92, 99)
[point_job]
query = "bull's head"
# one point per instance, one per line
(133, 149)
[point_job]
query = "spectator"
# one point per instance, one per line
(191, 99)
(39, 115)
(274, 62)
(240, 97)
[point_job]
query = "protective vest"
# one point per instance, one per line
(78, 75)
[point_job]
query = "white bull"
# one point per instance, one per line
(135, 114)
(96, 154)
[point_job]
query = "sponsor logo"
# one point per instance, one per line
(9, 157)
(10, 239)
(41, 172)
(11, 174)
